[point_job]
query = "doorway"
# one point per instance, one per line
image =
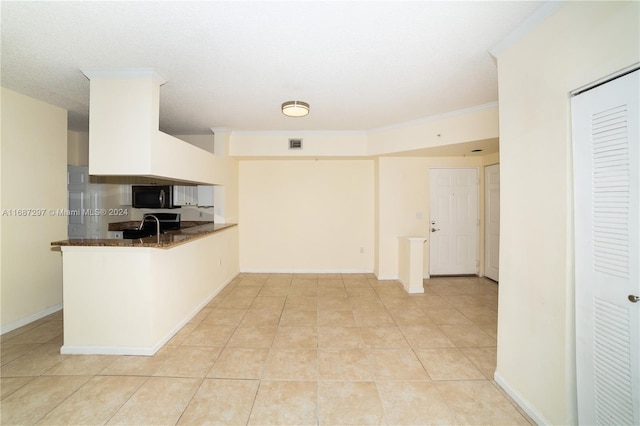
(453, 242)
(492, 222)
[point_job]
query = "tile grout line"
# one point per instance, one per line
(357, 325)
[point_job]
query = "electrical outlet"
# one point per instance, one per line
(361, 250)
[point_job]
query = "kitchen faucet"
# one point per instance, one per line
(157, 224)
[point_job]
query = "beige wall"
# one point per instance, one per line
(579, 43)
(98, 321)
(314, 144)
(205, 142)
(77, 148)
(306, 215)
(125, 140)
(400, 187)
(473, 124)
(34, 175)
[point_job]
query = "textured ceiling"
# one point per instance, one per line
(360, 64)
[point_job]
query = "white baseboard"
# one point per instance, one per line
(413, 290)
(387, 277)
(143, 351)
(192, 314)
(396, 277)
(31, 318)
(306, 271)
(106, 350)
(526, 406)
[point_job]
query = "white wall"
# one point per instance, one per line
(579, 43)
(34, 176)
(306, 215)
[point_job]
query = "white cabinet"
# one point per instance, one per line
(125, 195)
(219, 203)
(193, 195)
(185, 195)
(205, 196)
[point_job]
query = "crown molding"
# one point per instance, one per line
(532, 21)
(124, 73)
(432, 118)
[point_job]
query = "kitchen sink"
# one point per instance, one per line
(132, 234)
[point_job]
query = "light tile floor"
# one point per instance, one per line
(302, 349)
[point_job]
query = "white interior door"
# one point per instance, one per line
(492, 221)
(606, 140)
(453, 242)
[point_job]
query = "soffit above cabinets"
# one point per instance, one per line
(124, 139)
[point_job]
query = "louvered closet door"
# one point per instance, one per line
(606, 147)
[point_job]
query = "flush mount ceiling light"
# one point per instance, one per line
(295, 108)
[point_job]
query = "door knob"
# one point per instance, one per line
(633, 298)
(435, 229)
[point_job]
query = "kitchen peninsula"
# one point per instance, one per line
(129, 297)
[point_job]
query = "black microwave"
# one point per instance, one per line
(152, 196)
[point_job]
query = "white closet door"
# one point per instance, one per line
(606, 143)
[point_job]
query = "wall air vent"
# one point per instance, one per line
(295, 143)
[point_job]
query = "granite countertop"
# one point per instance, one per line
(190, 230)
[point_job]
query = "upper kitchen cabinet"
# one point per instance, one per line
(192, 195)
(205, 195)
(185, 195)
(124, 135)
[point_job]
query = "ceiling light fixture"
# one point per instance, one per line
(295, 108)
